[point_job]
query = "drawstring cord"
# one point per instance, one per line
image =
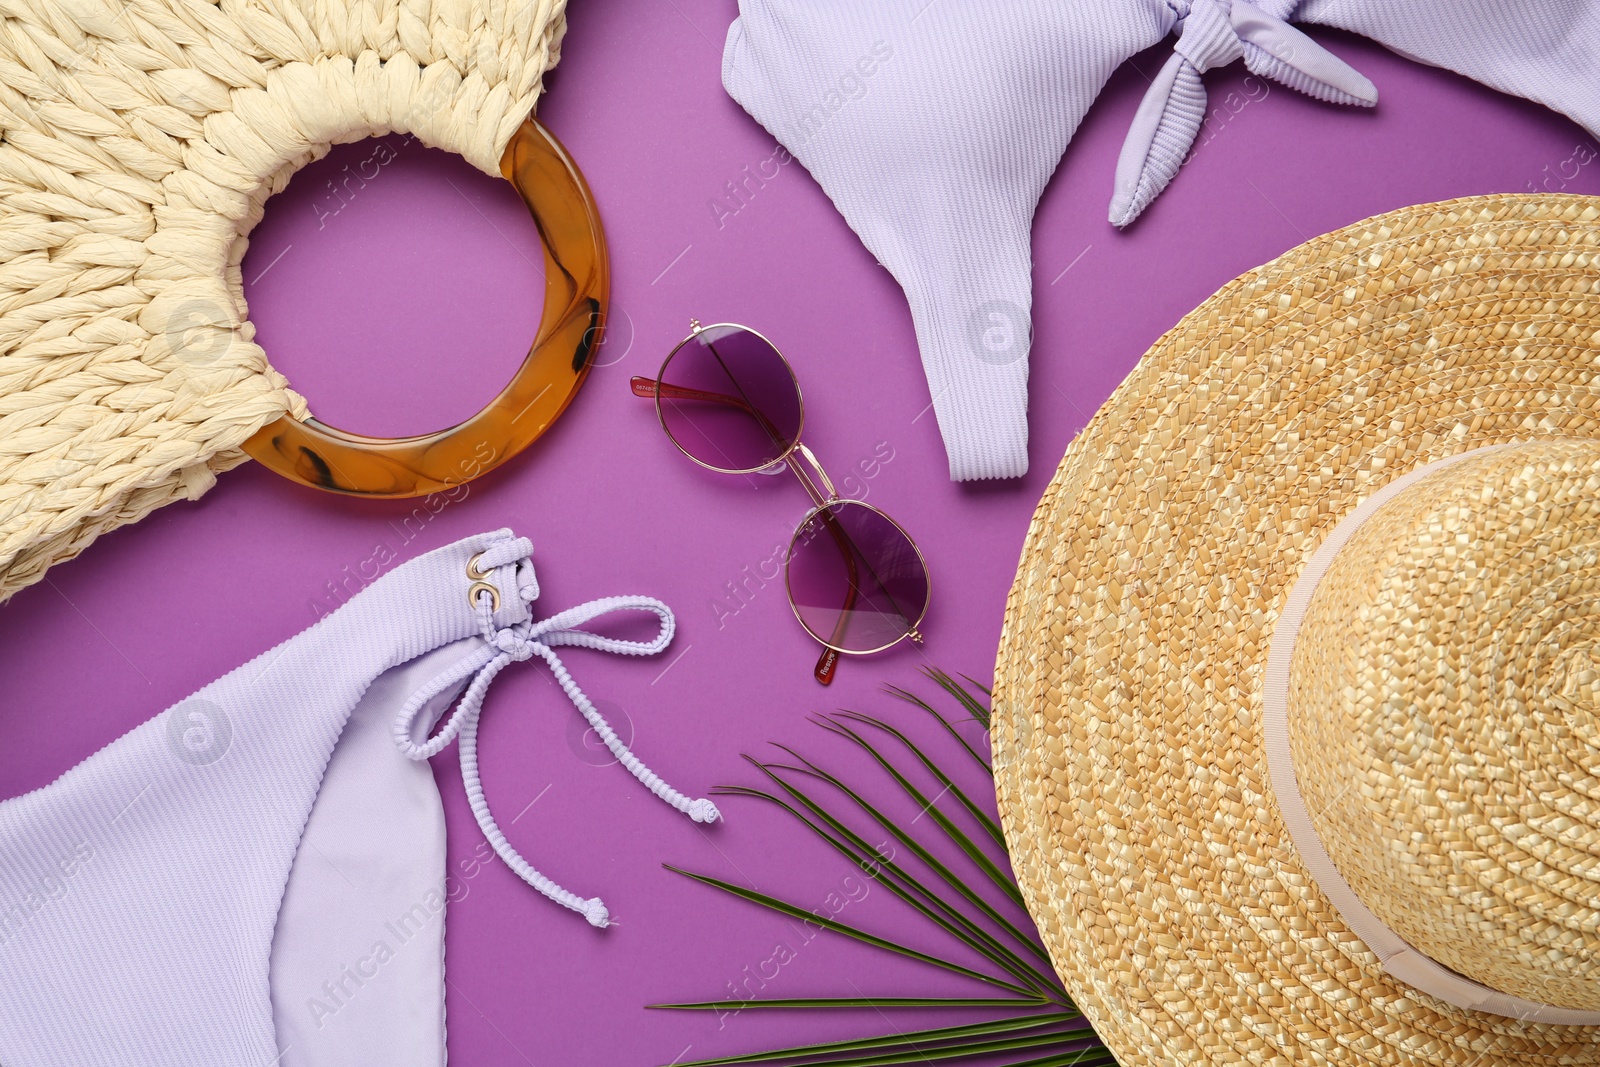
(514, 644)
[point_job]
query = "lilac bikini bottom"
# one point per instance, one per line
(225, 884)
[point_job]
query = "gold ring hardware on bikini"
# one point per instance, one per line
(484, 587)
(577, 292)
(481, 584)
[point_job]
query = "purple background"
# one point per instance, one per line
(410, 305)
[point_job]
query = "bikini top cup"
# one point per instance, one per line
(1547, 51)
(934, 126)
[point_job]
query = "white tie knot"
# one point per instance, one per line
(513, 644)
(1214, 33)
(703, 810)
(1206, 36)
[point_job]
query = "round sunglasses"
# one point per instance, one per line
(728, 400)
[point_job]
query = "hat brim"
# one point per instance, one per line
(1127, 726)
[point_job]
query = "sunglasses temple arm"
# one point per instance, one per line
(651, 388)
(828, 662)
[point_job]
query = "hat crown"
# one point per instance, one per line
(1444, 718)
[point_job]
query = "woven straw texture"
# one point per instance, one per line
(139, 141)
(1127, 725)
(1463, 619)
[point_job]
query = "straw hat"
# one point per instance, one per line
(138, 145)
(1297, 708)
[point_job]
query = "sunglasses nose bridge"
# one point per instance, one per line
(816, 482)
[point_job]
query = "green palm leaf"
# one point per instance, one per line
(853, 1002)
(1036, 1025)
(898, 881)
(1062, 1027)
(973, 900)
(927, 807)
(949, 727)
(794, 912)
(973, 808)
(981, 817)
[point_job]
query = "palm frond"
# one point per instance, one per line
(908, 888)
(976, 707)
(794, 912)
(927, 807)
(972, 898)
(942, 1042)
(1035, 1023)
(990, 825)
(895, 878)
(873, 1003)
(949, 727)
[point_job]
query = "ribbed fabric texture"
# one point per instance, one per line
(1214, 34)
(139, 892)
(1547, 51)
(934, 126)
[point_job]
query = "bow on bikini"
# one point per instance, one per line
(521, 642)
(1214, 33)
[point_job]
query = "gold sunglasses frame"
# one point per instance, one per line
(817, 485)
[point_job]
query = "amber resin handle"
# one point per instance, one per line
(576, 295)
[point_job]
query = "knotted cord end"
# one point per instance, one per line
(1213, 33)
(703, 810)
(595, 911)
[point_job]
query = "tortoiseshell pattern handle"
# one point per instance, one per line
(577, 293)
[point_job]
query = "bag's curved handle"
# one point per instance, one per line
(577, 292)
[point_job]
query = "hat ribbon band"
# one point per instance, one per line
(1401, 960)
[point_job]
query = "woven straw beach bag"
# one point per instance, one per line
(139, 141)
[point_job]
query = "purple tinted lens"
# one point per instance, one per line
(729, 400)
(857, 582)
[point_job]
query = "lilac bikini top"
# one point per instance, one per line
(935, 125)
